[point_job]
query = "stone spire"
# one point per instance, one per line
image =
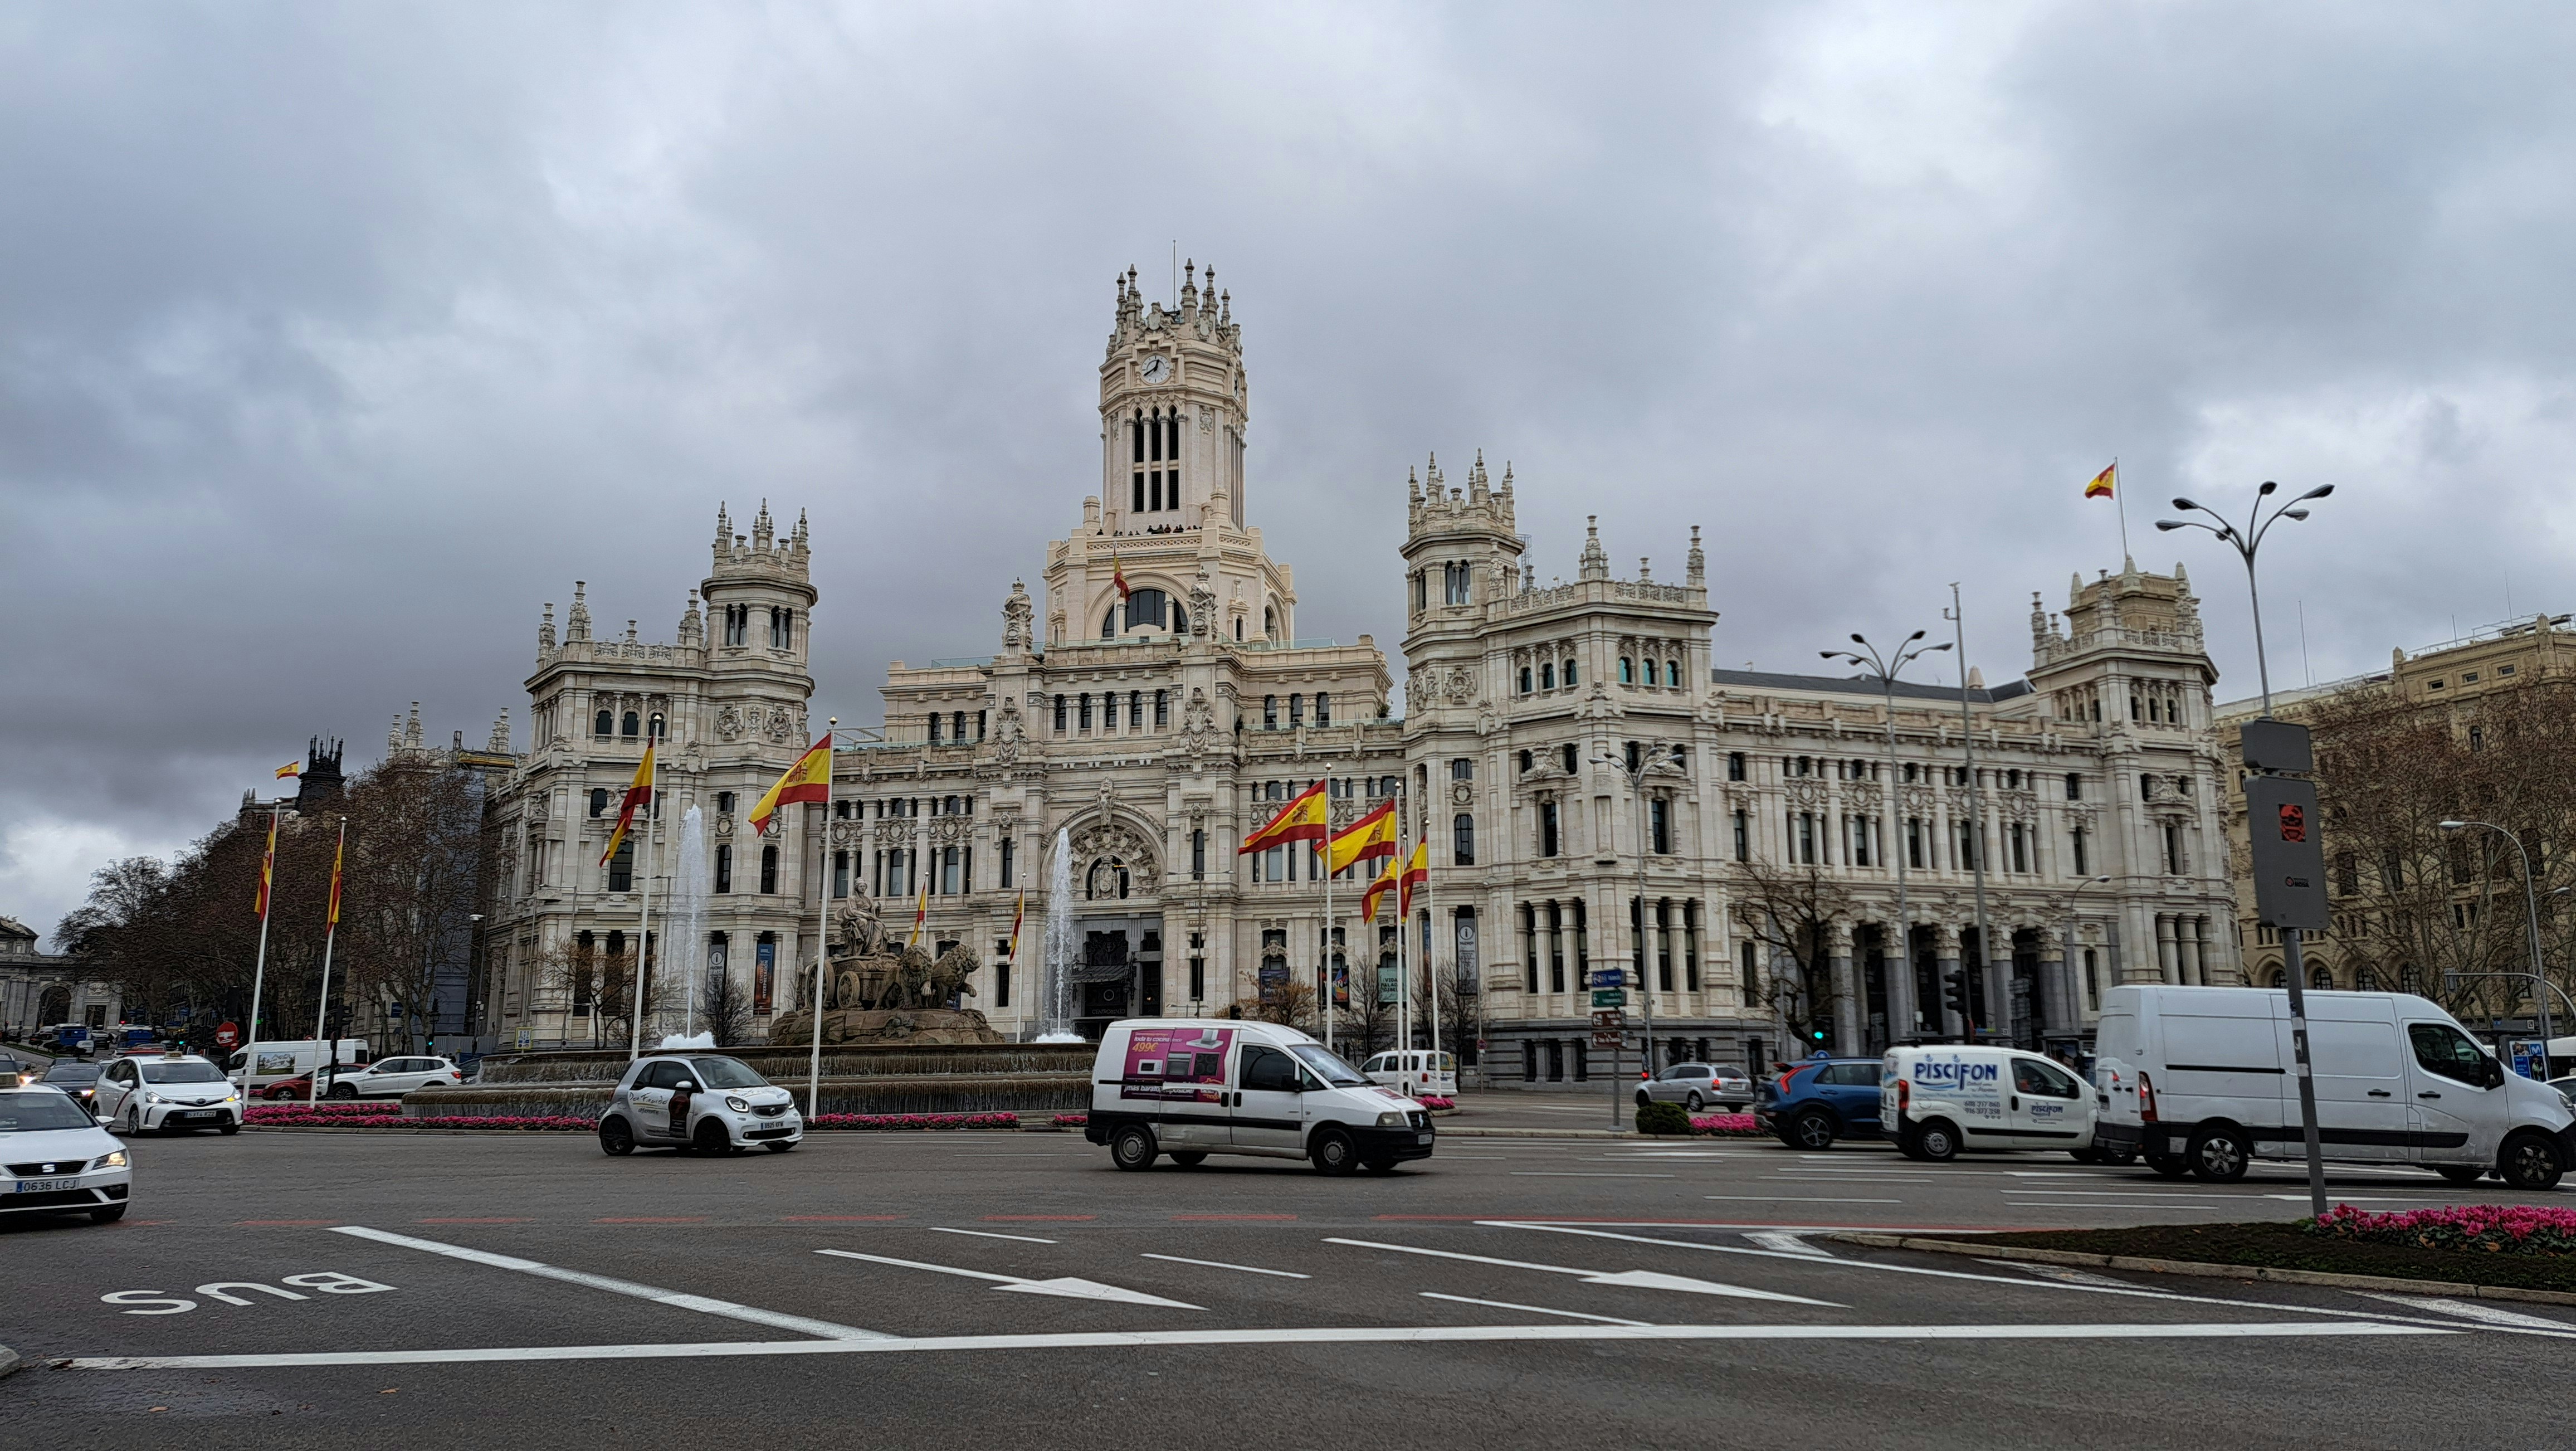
(1476, 480)
(1190, 292)
(693, 624)
(1645, 569)
(763, 533)
(1596, 564)
(411, 728)
(546, 632)
(499, 744)
(577, 624)
(1698, 562)
(2041, 636)
(799, 548)
(724, 534)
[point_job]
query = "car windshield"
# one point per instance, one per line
(181, 1073)
(72, 1073)
(31, 1112)
(727, 1073)
(1327, 1067)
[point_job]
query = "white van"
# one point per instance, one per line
(269, 1062)
(1938, 1100)
(2202, 1080)
(1415, 1072)
(1191, 1087)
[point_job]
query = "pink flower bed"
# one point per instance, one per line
(1435, 1101)
(379, 1119)
(1072, 1120)
(327, 1108)
(914, 1121)
(1725, 1123)
(2487, 1228)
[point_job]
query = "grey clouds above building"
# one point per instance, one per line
(336, 341)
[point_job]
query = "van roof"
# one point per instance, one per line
(1254, 1024)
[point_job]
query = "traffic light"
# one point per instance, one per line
(1817, 1035)
(1954, 995)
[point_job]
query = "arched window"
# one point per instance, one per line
(1270, 712)
(934, 728)
(957, 726)
(1109, 624)
(660, 727)
(599, 801)
(1296, 710)
(1059, 715)
(769, 870)
(1569, 675)
(1147, 607)
(1547, 676)
(782, 627)
(630, 725)
(1627, 672)
(2321, 979)
(1269, 623)
(1525, 680)
(1323, 708)
(605, 725)
(1082, 711)
(1462, 840)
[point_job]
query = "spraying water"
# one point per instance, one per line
(688, 913)
(1058, 1022)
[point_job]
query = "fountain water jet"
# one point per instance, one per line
(688, 915)
(1059, 945)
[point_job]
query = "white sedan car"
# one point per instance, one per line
(55, 1159)
(390, 1077)
(166, 1095)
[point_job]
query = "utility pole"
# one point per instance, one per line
(1976, 818)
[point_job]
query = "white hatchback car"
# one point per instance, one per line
(704, 1101)
(56, 1159)
(390, 1077)
(167, 1094)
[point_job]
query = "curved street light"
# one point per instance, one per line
(1885, 666)
(2531, 921)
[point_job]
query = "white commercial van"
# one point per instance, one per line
(1191, 1087)
(1938, 1100)
(269, 1062)
(1415, 1072)
(2203, 1080)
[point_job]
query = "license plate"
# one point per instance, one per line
(46, 1186)
(1422, 1138)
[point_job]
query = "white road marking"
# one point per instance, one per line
(2127, 1193)
(1786, 1241)
(2351, 1198)
(1222, 1265)
(1794, 1199)
(1317, 1335)
(2471, 1310)
(2104, 1204)
(1633, 1279)
(988, 1234)
(1065, 1286)
(1581, 1174)
(1532, 1309)
(2061, 1273)
(672, 1298)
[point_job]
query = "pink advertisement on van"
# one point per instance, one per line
(1183, 1064)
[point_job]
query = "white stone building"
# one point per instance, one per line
(1157, 730)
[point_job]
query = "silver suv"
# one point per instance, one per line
(699, 1101)
(1696, 1086)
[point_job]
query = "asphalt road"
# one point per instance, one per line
(982, 1290)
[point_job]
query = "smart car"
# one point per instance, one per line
(699, 1101)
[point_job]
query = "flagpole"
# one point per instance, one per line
(822, 936)
(643, 911)
(1328, 906)
(322, 1009)
(1431, 947)
(2120, 497)
(259, 973)
(1403, 929)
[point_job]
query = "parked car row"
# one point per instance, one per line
(2202, 1081)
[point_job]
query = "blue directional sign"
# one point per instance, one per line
(1609, 977)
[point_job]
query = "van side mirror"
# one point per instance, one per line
(2493, 1077)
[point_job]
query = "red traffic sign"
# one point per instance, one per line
(227, 1035)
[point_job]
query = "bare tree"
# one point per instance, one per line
(1290, 1004)
(1794, 912)
(412, 884)
(724, 1005)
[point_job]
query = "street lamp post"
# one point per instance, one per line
(1885, 669)
(2531, 921)
(2246, 542)
(1648, 763)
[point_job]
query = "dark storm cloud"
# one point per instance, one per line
(333, 342)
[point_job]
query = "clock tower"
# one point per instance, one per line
(1172, 411)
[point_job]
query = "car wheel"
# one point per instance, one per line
(1643, 1098)
(1188, 1158)
(711, 1137)
(1694, 1103)
(109, 1215)
(1937, 1141)
(2168, 1166)
(134, 1120)
(2219, 1155)
(342, 1090)
(776, 1148)
(1132, 1147)
(228, 1128)
(1813, 1129)
(1333, 1152)
(2532, 1161)
(2461, 1173)
(616, 1139)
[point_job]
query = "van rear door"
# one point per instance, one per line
(2222, 1059)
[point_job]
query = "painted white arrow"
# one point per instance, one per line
(1066, 1286)
(1634, 1279)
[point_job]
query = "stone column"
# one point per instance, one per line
(1997, 985)
(1945, 961)
(1851, 1003)
(2168, 951)
(1899, 973)
(2053, 994)
(2195, 967)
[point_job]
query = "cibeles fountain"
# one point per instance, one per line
(877, 992)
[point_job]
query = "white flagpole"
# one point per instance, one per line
(643, 913)
(1431, 944)
(822, 937)
(259, 972)
(322, 1009)
(2120, 497)
(1328, 906)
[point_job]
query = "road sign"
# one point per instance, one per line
(1609, 977)
(1609, 997)
(1610, 1018)
(227, 1035)
(1608, 1040)
(2289, 862)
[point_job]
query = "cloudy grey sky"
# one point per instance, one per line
(334, 340)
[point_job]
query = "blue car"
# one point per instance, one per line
(1821, 1100)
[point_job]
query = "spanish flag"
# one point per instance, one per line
(810, 779)
(639, 792)
(1019, 915)
(291, 768)
(1416, 872)
(1369, 837)
(1300, 820)
(1385, 883)
(2104, 482)
(267, 867)
(337, 853)
(1118, 577)
(920, 913)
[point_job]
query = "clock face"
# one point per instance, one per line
(1157, 369)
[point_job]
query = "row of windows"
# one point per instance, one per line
(955, 721)
(1456, 585)
(1649, 672)
(1078, 709)
(608, 724)
(1548, 677)
(782, 626)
